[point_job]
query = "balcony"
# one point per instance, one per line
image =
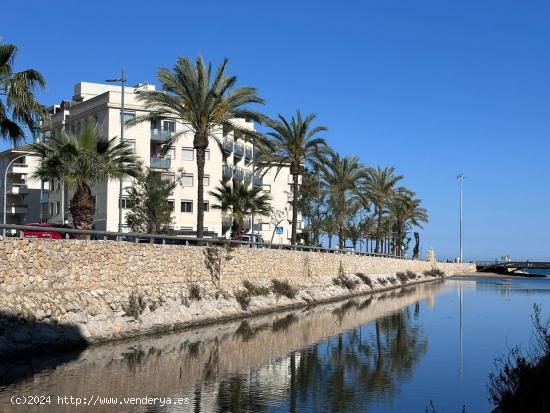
(227, 171)
(248, 153)
(247, 176)
(18, 168)
(257, 180)
(17, 189)
(160, 163)
(227, 145)
(16, 209)
(238, 150)
(238, 174)
(159, 135)
(227, 221)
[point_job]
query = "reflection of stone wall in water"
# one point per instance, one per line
(88, 284)
(181, 363)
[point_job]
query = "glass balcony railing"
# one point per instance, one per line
(258, 181)
(227, 171)
(227, 144)
(159, 135)
(238, 149)
(238, 174)
(227, 221)
(248, 152)
(160, 163)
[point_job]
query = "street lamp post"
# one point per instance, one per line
(460, 178)
(6, 186)
(122, 81)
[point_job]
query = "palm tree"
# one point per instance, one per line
(329, 227)
(406, 211)
(81, 161)
(205, 104)
(18, 104)
(380, 186)
(241, 201)
(343, 177)
(294, 144)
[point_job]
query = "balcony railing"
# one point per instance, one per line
(227, 171)
(18, 168)
(159, 135)
(238, 173)
(238, 149)
(17, 189)
(160, 163)
(227, 144)
(247, 176)
(258, 180)
(16, 209)
(248, 152)
(227, 221)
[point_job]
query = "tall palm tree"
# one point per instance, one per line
(343, 177)
(329, 227)
(241, 201)
(294, 143)
(205, 103)
(380, 186)
(18, 104)
(406, 211)
(81, 161)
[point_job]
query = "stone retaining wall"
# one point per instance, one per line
(55, 291)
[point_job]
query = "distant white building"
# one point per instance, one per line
(101, 103)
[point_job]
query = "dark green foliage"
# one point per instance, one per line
(402, 277)
(254, 289)
(392, 280)
(283, 288)
(365, 278)
(345, 282)
(382, 281)
(411, 275)
(136, 305)
(150, 212)
(521, 383)
(435, 273)
(195, 292)
(243, 298)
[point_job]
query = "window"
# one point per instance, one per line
(186, 206)
(169, 126)
(58, 185)
(206, 180)
(207, 155)
(131, 143)
(51, 208)
(206, 206)
(205, 229)
(168, 177)
(187, 154)
(186, 228)
(171, 203)
(128, 116)
(266, 188)
(57, 208)
(124, 203)
(187, 180)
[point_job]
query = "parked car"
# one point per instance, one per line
(45, 233)
(253, 238)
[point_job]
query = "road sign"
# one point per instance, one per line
(279, 230)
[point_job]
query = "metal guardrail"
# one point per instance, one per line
(185, 241)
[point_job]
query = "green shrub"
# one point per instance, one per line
(243, 298)
(435, 273)
(365, 278)
(195, 292)
(382, 281)
(392, 280)
(254, 289)
(402, 277)
(411, 275)
(345, 282)
(283, 287)
(136, 305)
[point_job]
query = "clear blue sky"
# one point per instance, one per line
(433, 87)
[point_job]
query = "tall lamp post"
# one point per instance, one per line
(23, 154)
(460, 178)
(122, 81)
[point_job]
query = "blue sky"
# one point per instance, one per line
(433, 87)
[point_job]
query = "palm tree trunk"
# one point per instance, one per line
(341, 236)
(294, 208)
(378, 228)
(200, 143)
(330, 240)
(82, 209)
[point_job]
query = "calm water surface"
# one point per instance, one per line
(389, 352)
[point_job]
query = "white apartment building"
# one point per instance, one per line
(26, 198)
(234, 161)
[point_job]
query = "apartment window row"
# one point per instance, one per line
(188, 154)
(188, 180)
(187, 206)
(55, 208)
(125, 203)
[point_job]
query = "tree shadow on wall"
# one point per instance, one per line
(28, 346)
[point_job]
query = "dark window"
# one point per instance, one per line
(206, 206)
(186, 206)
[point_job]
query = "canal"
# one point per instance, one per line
(388, 352)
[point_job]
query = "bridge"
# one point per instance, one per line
(512, 267)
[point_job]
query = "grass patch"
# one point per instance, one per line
(243, 298)
(382, 281)
(136, 305)
(435, 273)
(345, 282)
(410, 275)
(254, 289)
(392, 280)
(402, 277)
(195, 292)
(283, 288)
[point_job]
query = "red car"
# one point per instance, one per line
(45, 233)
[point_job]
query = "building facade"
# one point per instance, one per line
(231, 160)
